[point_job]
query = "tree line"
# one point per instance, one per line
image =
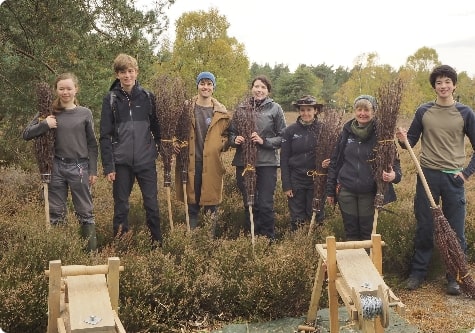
(40, 39)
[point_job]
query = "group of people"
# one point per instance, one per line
(130, 139)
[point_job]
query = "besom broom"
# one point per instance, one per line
(389, 98)
(44, 144)
(169, 99)
(326, 137)
(446, 238)
(246, 125)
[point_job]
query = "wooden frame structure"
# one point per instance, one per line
(83, 299)
(352, 274)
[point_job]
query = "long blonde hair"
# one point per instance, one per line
(57, 107)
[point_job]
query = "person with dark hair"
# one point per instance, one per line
(208, 139)
(441, 126)
(297, 161)
(75, 156)
(130, 135)
(350, 179)
(266, 136)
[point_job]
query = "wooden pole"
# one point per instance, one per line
(187, 216)
(312, 224)
(251, 218)
(375, 220)
(169, 202)
(45, 194)
(54, 295)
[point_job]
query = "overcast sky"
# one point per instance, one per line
(336, 32)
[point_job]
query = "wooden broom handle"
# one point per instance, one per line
(421, 173)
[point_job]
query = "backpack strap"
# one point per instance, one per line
(112, 99)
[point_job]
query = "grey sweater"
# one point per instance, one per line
(75, 137)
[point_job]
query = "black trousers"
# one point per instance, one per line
(146, 176)
(263, 207)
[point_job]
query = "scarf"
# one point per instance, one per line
(362, 132)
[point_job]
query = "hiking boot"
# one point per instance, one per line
(413, 282)
(453, 288)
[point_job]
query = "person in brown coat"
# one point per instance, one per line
(208, 139)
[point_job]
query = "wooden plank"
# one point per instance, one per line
(61, 326)
(317, 291)
(358, 271)
(88, 296)
(332, 276)
(113, 282)
(118, 323)
(54, 295)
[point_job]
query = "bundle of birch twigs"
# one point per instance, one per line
(327, 134)
(245, 117)
(389, 101)
(44, 144)
(182, 137)
(169, 98)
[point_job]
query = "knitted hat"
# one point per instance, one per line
(369, 98)
(206, 75)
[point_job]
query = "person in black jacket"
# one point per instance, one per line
(350, 177)
(297, 161)
(129, 137)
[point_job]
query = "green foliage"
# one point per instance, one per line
(42, 39)
(290, 87)
(202, 44)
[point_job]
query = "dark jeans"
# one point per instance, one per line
(300, 208)
(263, 208)
(74, 176)
(146, 176)
(194, 209)
(450, 190)
(357, 211)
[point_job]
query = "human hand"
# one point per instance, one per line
(389, 176)
(92, 180)
(325, 163)
(401, 134)
(51, 121)
(289, 193)
(110, 176)
(331, 200)
(256, 138)
(239, 139)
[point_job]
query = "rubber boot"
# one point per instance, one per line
(88, 231)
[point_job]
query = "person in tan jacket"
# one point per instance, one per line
(207, 140)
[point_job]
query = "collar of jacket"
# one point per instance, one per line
(217, 106)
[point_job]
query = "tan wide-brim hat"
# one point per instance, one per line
(308, 100)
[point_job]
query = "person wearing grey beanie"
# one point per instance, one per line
(350, 179)
(208, 139)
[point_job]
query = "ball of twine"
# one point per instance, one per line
(372, 306)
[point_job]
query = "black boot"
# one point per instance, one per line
(88, 231)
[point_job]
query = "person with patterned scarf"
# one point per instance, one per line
(350, 180)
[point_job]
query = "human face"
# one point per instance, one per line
(444, 88)
(307, 113)
(205, 88)
(66, 90)
(259, 90)
(127, 78)
(363, 115)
